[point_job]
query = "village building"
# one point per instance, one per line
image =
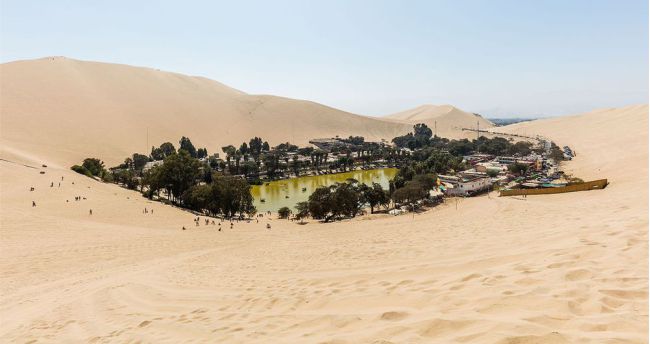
(465, 185)
(328, 144)
(151, 164)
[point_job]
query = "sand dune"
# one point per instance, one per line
(448, 119)
(568, 268)
(73, 109)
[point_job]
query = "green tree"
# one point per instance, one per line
(284, 212)
(186, 145)
(94, 166)
(422, 130)
(167, 149)
(302, 209)
(81, 170)
(202, 153)
(235, 195)
(320, 203)
(139, 160)
(375, 196)
(230, 152)
(243, 149)
(157, 154)
(179, 173)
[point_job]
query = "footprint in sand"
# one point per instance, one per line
(577, 275)
(394, 316)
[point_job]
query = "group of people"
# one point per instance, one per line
(76, 198)
(207, 221)
(146, 211)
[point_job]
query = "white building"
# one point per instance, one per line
(151, 164)
(466, 186)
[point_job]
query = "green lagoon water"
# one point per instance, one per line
(276, 192)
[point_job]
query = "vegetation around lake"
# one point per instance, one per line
(193, 179)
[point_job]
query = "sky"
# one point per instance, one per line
(497, 58)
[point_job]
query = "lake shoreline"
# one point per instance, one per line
(288, 192)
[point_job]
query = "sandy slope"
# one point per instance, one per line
(566, 268)
(70, 109)
(448, 119)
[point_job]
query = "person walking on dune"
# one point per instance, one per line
(91, 211)
(33, 204)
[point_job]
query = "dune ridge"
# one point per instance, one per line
(447, 119)
(124, 109)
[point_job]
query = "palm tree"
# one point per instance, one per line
(238, 157)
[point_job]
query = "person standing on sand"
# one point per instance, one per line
(52, 185)
(91, 211)
(33, 204)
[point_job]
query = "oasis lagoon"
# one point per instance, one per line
(288, 192)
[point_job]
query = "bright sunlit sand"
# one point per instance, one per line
(85, 260)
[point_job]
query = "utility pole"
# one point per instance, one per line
(435, 128)
(478, 150)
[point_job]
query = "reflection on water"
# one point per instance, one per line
(286, 193)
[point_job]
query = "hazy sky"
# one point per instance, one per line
(498, 58)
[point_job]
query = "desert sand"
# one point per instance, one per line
(447, 120)
(72, 109)
(568, 268)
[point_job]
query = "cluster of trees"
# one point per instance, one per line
(256, 157)
(180, 177)
(346, 200)
(419, 138)
(192, 178)
(422, 138)
(342, 200)
(91, 167)
(226, 195)
(414, 189)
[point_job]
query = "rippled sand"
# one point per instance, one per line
(569, 268)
